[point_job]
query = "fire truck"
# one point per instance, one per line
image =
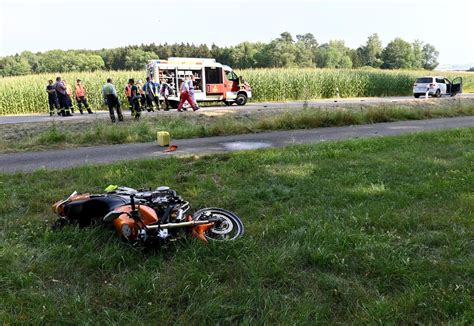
(212, 81)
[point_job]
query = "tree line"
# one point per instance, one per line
(284, 51)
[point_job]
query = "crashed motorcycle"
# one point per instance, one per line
(155, 216)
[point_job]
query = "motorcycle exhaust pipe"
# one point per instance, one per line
(177, 225)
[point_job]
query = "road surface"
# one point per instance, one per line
(61, 159)
(13, 119)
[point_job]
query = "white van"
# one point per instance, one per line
(437, 86)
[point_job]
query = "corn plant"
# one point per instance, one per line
(26, 94)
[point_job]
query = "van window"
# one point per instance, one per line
(440, 80)
(424, 80)
(213, 75)
(231, 76)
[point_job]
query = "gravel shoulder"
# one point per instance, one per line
(13, 128)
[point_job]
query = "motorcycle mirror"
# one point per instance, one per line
(111, 216)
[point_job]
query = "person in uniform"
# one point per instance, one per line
(165, 92)
(52, 98)
(110, 96)
(68, 96)
(60, 88)
(135, 99)
(81, 97)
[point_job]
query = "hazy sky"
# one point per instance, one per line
(71, 24)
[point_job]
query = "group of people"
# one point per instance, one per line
(140, 96)
(60, 94)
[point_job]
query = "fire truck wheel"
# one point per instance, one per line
(241, 99)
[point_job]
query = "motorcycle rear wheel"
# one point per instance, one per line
(229, 227)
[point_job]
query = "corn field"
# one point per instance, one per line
(26, 94)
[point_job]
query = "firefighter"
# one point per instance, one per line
(68, 96)
(81, 97)
(165, 92)
(128, 93)
(142, 95)
(52, 98)
(135, 99)
(185, 97)
(62, 97)
(151, 90)
(110, 96)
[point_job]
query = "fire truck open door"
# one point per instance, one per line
(214, 80)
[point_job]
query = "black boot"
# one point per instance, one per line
(89, 111)
(112, 117)
(80, 110)
(120, 117)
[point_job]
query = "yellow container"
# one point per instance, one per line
(163, 138)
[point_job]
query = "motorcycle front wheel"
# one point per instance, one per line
(228, 226)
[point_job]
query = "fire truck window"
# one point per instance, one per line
(213, 75)
(231, 76)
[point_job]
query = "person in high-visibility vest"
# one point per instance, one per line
(128, 92)
(134, 98)
(110, 96)
(185, 97)
(81, 97)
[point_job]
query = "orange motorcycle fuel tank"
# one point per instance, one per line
(127, 226)
(58, 207)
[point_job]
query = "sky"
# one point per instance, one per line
(41, 25)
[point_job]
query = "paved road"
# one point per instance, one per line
(60, 159)
(250, 106)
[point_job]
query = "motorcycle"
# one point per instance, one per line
(148, 216)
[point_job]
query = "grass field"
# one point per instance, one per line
(26, 94)
(362, 232)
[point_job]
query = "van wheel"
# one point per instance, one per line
(438, 93)
(241, 99)
(417, 95)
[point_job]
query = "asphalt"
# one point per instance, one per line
(68, 158)
(323, 103)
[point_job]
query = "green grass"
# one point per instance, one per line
(362, 232)
(62, 134)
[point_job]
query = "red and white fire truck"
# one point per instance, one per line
(212, 81)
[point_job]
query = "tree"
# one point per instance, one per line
(333, 55)
(282, 51)
(417, 46)
(308, 40)
(136, 59)
(371, 52)
(33, 60)
(397, 55)
(430, 57)
(306, 46)
(356, 58)
(243, 55)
